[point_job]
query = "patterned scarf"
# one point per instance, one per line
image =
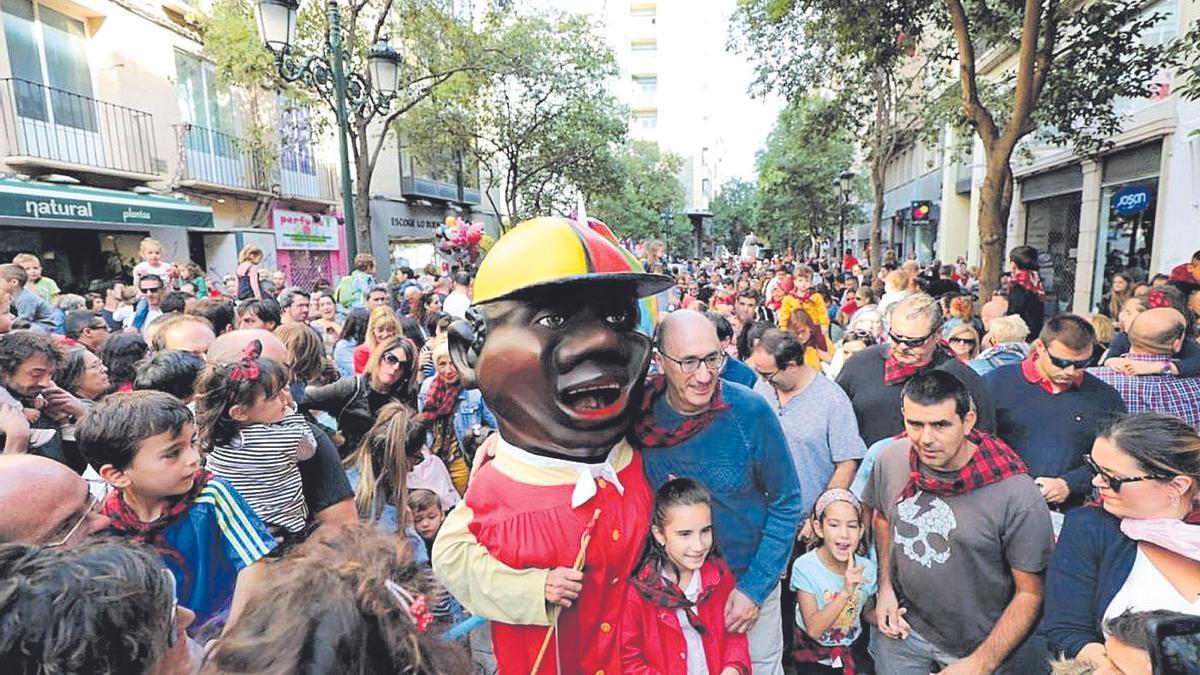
(895, 372)
(126, 522)
(646, 431)
(807, 650)
(1030, 281)
(992, 462)
(658, 590)
(439, 409)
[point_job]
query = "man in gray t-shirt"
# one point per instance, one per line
(962, 549)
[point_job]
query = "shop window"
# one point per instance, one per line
(1125, 241)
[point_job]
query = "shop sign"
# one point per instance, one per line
(19, 199)
(296, 231)
(1131, 200)
(401, 221)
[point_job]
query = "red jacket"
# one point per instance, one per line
(652, 642)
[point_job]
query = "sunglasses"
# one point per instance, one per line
(393, 360)
(910, 342)
(156, 289)
(1078, 364)
(1115, 483)
(962, 341)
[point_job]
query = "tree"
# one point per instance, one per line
(736, 212)
(798, 174)
(435, 43)
(1071, 62)
(648, 186)
(543, 125)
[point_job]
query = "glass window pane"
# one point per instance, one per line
(64, 41)
(23, 59)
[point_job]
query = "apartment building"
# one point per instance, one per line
(1132, 208)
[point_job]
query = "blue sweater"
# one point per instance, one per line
(1052, 432)
(1091, 563)
(736, 371)
(742, 458)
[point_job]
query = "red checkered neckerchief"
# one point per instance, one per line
(650, 582)
(992, 462)
(442, 398)
(648, 434)
(1034, 376)
(895, 372)
(125, 521)
(1030, 281)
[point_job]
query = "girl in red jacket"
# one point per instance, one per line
(674, 620)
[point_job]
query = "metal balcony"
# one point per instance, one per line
(218, 161)
(55, 128)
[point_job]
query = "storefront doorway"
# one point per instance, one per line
(74, 257)
(1052, 227)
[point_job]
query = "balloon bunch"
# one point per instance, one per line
(460, 241)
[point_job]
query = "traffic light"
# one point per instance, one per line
(921, 211)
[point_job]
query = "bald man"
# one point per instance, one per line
(44, 502)
(1155, 336)
(729, 438)
(326, 489)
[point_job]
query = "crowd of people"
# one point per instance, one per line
(777, 466)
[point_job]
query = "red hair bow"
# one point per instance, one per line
(247, 368)
(1157, 300)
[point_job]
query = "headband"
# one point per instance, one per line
(835, 495)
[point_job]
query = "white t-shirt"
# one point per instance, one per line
(456, 305)
(162, 270)
(1146, 589)
(696, 663)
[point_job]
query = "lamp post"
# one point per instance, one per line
(845, 184)
(327, 75)
(668, 220)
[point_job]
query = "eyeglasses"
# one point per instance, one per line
(393, 360)
(690, 364)
(1115, 483)
(1079, 364)
(173, 625)
(769, 378)
(94, 500)
(911, 342)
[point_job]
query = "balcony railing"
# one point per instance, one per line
(217, 158)
(57, 125)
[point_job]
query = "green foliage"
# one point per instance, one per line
(541, 124)
(798, 175)
(736, 212)
(647, 186)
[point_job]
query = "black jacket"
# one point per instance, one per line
(349, 401)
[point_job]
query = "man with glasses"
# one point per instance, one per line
(1048, 409)
(44, 502)
(874, 377)
(729, 439)
(151, 288)
(87, 328)
(1155, 336)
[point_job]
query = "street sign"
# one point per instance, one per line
(1131, 200)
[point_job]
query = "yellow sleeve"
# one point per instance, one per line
(818, 310)
(484, 585)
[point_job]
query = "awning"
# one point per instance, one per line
(27, 203)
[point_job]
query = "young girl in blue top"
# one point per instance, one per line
(833, 582)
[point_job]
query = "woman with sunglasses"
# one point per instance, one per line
(1139, 549)
(964, 341)
(355, 400)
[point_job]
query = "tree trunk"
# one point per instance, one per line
(875, 259)
(995, 201)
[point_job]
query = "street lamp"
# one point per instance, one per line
(845, 184)
(668, 220)
(327, 75)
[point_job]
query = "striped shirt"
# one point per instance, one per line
(261, 464)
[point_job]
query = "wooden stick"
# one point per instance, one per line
(557, 609)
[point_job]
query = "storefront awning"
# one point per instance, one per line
(30, 203)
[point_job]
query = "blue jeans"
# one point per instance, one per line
(918, 656)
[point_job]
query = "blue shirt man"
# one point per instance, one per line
(728, 438)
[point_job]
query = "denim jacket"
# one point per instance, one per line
(471, 410)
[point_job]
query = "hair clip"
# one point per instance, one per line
(1157, 299)
(247, 368)
(416, 606)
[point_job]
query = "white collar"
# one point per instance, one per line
(585, 486)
